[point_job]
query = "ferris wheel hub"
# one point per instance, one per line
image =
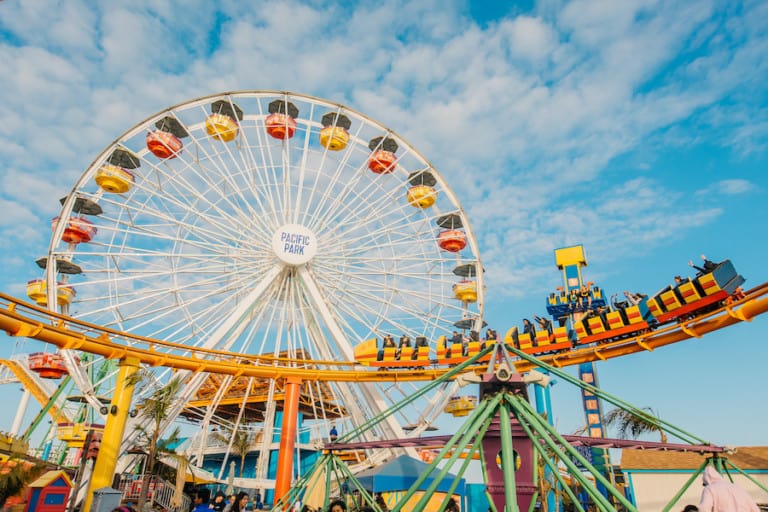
(294, 244)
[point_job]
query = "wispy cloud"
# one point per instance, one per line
(524, 116)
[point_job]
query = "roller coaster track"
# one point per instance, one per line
(32, 384)
(20, 318)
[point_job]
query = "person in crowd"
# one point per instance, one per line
(389, 341)
(421, 341)
(456, 337)
(333, 434)
(528, 328)
(381, 503)
(585, 296)
(452, 506)
(691, 508)
(634, 298)
(490, 334)
(544, 323)
(219, 502)
(240, 503)
(337, 506)
(404, 348)
(515, 335)
(200, 503)
(706, 267)
(720, 495)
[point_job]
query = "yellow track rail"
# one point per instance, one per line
(39, 392)
(19, 318)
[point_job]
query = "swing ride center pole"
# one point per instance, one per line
(287, 437)
(117, 417)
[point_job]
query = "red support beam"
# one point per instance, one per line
(287, 437)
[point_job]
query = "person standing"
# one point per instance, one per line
(219, 502)
(240, 503)
(201, 501)
(720, 495)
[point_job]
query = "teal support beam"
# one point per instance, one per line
(477, 418)
(508, 459)
(552, 467)
(566, 454)
(667, 427)
(747, 476)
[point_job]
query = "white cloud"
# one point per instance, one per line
(522, 117)
(730, 187)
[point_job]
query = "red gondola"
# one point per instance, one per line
(452, 240)
(48, 366)
(78, 230)
(163, 144)
(281, 121)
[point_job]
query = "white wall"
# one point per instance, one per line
(654, 490)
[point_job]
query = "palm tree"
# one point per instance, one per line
(241, 443)
(152, 411)
(630, 425)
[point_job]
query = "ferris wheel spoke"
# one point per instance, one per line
(324, 209)
(224, 224)
(228, 169)
(261, 183)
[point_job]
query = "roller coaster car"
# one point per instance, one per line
(618, 321)
(703, 292)
(562, 303)
(541, 342)
(367, 353)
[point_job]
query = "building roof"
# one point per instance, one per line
(745, 457)
(51, 477)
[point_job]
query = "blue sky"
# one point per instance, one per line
(636, 128)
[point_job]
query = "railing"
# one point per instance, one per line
(160, 492)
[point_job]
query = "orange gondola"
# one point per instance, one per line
(78, 230)
(452, 240)
(165, 142)
(281, 121)
(382, 159)
(48, 366)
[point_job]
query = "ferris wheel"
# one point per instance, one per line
(263, 222)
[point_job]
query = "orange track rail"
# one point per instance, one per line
(20, 318)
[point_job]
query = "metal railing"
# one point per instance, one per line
(160, 492)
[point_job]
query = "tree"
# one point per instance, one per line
(630, 425)
(152, 411)
(15, 474)
(241, 443)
